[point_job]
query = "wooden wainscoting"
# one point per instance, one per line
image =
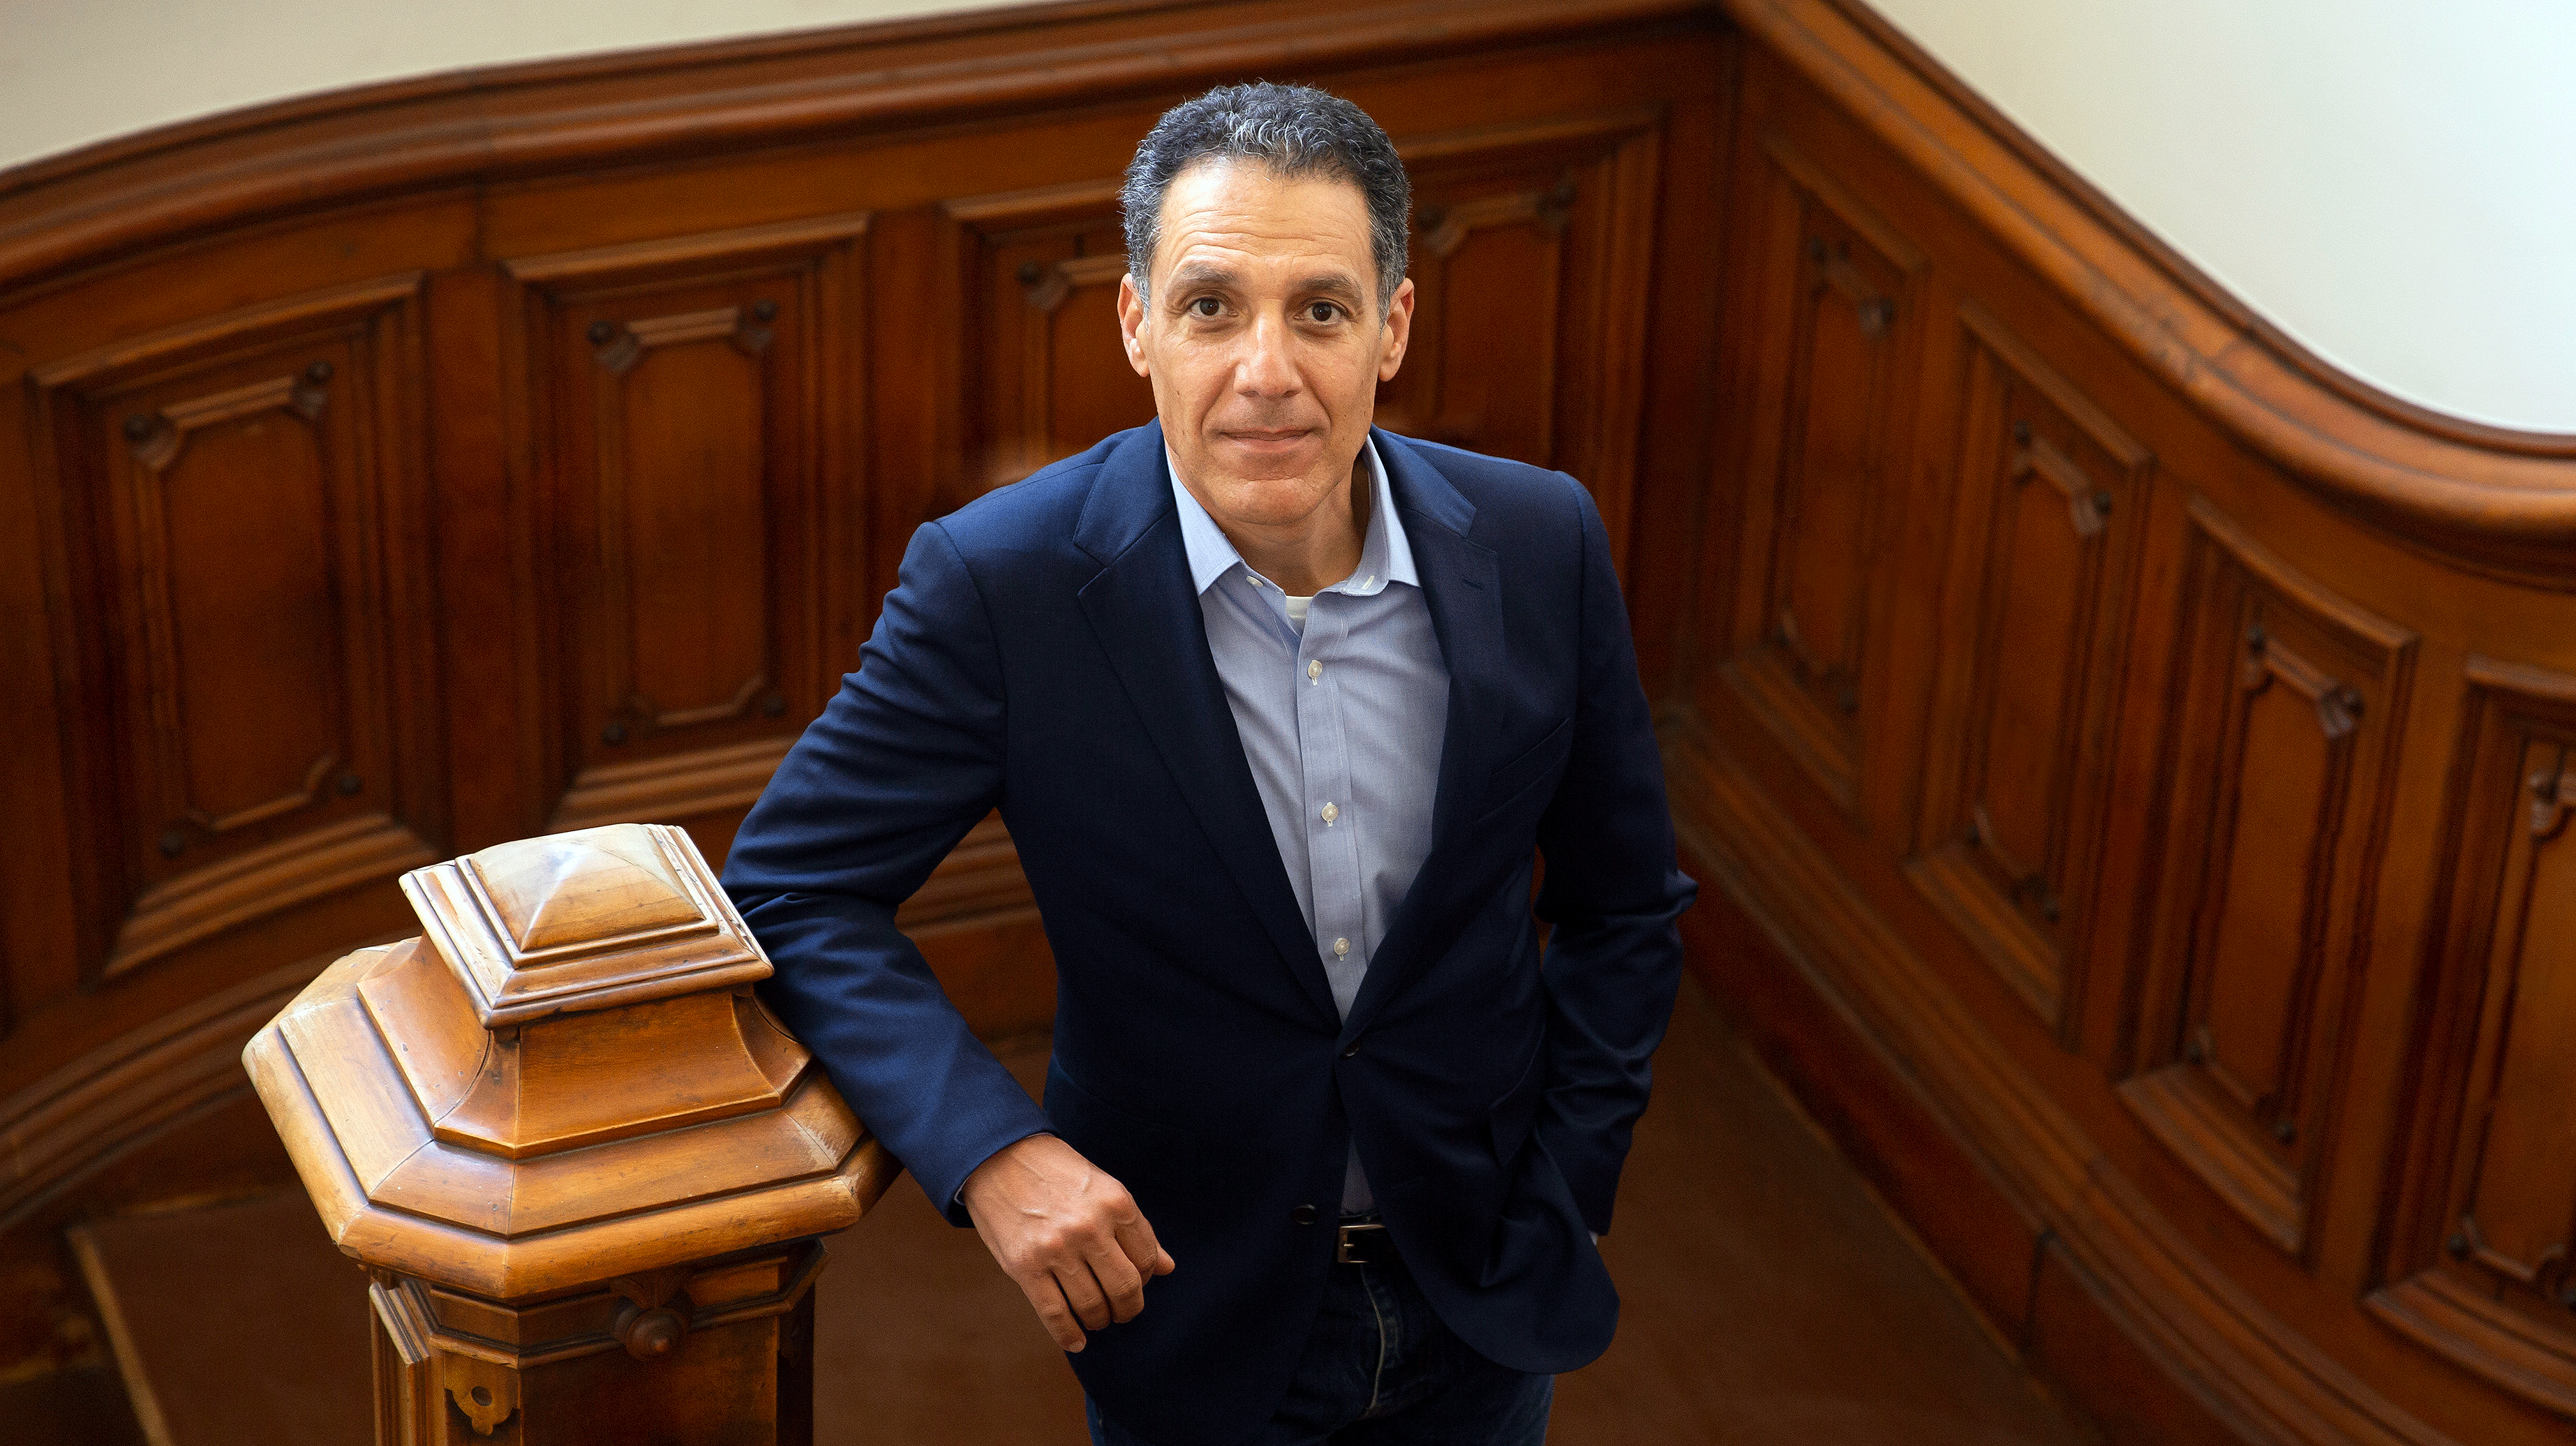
(411, 469)
(2132, 761)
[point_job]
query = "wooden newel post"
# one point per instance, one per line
(585, 1167)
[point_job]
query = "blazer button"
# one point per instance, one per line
(1303, 1215)
(1351, 1051)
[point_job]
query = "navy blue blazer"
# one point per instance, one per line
(1042, 653)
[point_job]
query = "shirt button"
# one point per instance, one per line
(1341, 947)
(1314, 670)
(1303, 1215)
(1330, 813)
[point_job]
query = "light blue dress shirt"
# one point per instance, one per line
(1342, 715)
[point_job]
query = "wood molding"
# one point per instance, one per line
(508, 121)
(80, 1118)
(2177, 1306)
(2053, 492)
(157, 866)
(2173, 263)
(2478, 1263)
(2277, 835)
(2500, 501)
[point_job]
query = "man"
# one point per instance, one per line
(1278, 710)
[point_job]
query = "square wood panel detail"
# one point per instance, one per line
(2286, 704)
(2483, 1241)
(2045, 537)
(1832, 390)
(236, 524)
(689, 406)
(1044, 373)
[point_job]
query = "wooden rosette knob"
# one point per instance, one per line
(650, 1335)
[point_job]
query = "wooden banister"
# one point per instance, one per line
(585, 1167)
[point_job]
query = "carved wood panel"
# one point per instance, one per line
(2279, 774)
(1836, 295)
(1530, 249)
(688, 408)
(238, 519)
(2484, 1253)
(1044, 373)
(2045, 540)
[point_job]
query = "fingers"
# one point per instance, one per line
(1090, 1304)
(1048, 1301)
(1119, 1280)
(1136, 1238)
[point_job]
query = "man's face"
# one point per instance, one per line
(1263, 338)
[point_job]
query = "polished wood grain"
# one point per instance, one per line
(2482, 1265)
(2140, 770)
(2136, 745)
(584, 1167)
(2287, 711)
(2044, 552)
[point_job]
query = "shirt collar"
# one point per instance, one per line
(1385, 555)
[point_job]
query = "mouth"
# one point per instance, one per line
(1267, 439)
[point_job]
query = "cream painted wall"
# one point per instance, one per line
(2393, 182)
(76, 71)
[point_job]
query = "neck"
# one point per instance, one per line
(1316, 551)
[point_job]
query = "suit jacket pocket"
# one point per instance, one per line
(1527, 768)
(1511, 1116)
(1116, 1139)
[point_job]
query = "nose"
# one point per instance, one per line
(1265, 368)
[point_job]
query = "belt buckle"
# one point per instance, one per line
(1366, 1238)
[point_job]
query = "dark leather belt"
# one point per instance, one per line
(1364, 1243)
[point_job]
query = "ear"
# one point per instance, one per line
(1131, 323)
(1397, 331)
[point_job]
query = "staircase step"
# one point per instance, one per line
(234, 1323)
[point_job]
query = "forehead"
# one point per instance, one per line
(1233, 210)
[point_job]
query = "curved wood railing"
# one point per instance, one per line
(441, 292)
(2495, 498)
(2132, 763)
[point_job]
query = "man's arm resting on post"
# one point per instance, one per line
(1611, 895)
(905, 759)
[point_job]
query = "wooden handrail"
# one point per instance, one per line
(585, 1167)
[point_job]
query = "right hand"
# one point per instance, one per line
(1068, 1233)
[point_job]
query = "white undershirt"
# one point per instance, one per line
(1297, 609)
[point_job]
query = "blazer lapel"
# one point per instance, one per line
(1146, 615)
(1462, 585)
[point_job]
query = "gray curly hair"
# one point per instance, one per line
(1297, 131)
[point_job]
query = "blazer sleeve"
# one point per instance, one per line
(907, 758)
(1610, 897)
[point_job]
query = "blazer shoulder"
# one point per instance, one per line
(1035, 514)
(1513, 500)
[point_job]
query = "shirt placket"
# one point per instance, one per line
(1332, 833)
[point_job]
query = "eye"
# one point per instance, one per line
(1322, 311)
(1204, 306)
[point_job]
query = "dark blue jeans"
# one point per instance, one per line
(1381, 1370)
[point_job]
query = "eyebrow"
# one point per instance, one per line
(1335, 285)
(1199, 273)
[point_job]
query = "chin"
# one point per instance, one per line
(1268, 501)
